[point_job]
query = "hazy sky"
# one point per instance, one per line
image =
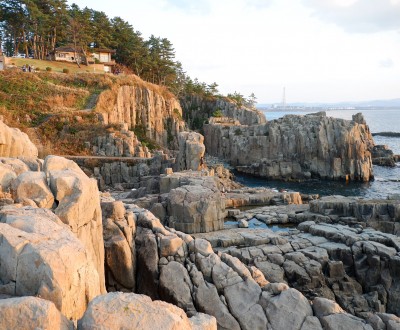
(320, 50)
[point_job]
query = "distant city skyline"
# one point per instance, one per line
(319, 50)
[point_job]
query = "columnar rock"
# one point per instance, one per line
(40, 256)
(25, 313)
(133, 311)
(174, 267)
(383, 215)
(123, 143)
(197, 110)
(155, 114)
(295, 147)
(195, 205)
(119, 230)
(191, 151)
(78, 206)
(14, 143)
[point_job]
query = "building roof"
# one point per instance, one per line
(71, 48)
(68, 49)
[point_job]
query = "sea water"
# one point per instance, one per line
(387, 180)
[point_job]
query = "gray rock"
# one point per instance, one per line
(311, 323)
(272, 150)
(242, 299)
(175, 286)
(288, 310)
(343, 322)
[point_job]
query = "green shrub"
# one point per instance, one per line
(217, 113)
(177, 114)
(65, 70)
(48, 69)
(238, 132)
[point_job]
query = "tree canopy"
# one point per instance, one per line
(37, 27)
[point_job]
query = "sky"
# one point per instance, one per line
(318, 50)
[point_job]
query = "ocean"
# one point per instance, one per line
(387, 180)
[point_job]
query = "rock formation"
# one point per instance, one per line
(383, 156)
(197, 110)
(31, 312)
(132, 311)
(191, 151)
(157, 117)
(295, 147)
(331, 254)
(63, 188)
(176, 268)
(123, 143)
(119, 228)
(78, 206)
(14, 143)
(40, 256)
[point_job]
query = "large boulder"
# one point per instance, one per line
(78, 202)
(191, 151)
(39, 256)
(176, 286)
(132, 311)
(32, 185)
(288, 310)
(24, 313)
(196, 205)
(14, 143)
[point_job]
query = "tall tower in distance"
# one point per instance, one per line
(284, 99)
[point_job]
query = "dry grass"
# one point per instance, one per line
(54, 65)
(51, 103)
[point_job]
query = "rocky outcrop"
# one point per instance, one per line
(120, 144)
(191, 151)
(382, 215)
(78, 206)
(157, 116)
(174, 267)
(197, 110)
(296, 147)
(260, 197)
(40, 256)
(350, 264)
(14, 143)
(62, 187)
(130, 173)
(133, 311)
(194, 202)
(31, 313)
(119, 229)
(383, 156)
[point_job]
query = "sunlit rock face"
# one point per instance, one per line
(14, 143)
(296, 147)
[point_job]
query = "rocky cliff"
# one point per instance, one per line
(151, 114)
(295, 147)
(197, 110)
